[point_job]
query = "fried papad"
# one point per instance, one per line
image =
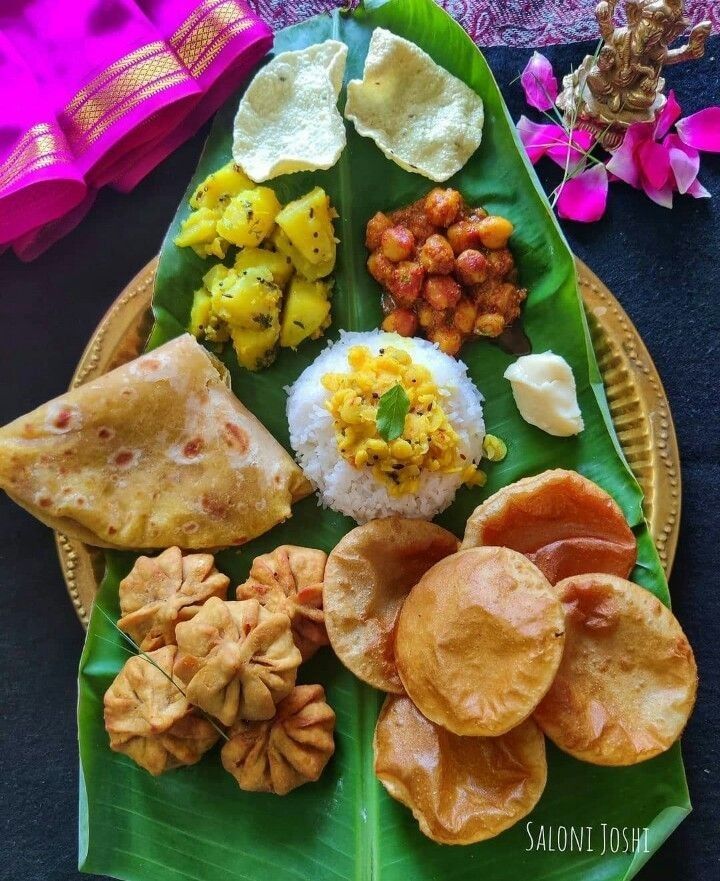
(419, 115)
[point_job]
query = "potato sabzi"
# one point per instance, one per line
(277, 291)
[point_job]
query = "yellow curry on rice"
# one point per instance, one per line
(428, 441)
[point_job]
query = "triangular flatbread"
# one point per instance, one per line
(157, 453)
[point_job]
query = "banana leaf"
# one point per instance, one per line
(195, 823)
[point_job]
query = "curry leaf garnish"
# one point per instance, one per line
(392, 410)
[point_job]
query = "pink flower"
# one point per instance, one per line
(701, 130)
(651, 157)
(575, 145)
(684, 162)
(539, 83)
(644, 163)
(553, 141)
(698, 191)
(661, 163)
(584, 196)
(668, 116)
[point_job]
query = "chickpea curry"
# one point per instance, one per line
(446, 270)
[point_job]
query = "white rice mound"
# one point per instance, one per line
(354, 491)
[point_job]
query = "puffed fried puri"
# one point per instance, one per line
(479, 640)
(627, 681)
(367, 577)
(563, 522)
(460, 789)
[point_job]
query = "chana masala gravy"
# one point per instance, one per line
(446, 270)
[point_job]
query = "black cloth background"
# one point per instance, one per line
(663, 266)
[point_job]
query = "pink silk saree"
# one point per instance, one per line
(98, 92)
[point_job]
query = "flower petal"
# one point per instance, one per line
(584, 197)
(698, 191)
(684, 162)
(576, 145)
(661, 195)
(623, 163)
(654, 163)
(538, 138)
(668, 115)
(539, 83)
(701, 130)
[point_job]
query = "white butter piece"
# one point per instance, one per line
(544, 390)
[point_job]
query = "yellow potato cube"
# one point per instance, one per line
(306, 313)
(218, 188)
(200, 313)
(278, 264)
(215, 277)
(198, 228)
(249, 301)
(310, 271)
(199, 232)
(255, 349)
(307, 222)
(249, 217)
(216, 330)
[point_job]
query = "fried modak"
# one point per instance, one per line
(627, 681)
(237, 659)
(460, 789)
(290, 580)
(149, 718)
(479, 640)
(160, 591)
(563, 522)
(368, 575)
(284, 752)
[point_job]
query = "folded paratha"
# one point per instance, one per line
(157, 453)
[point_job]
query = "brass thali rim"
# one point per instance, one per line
(636, 397)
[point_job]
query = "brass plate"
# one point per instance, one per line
(637, 399)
